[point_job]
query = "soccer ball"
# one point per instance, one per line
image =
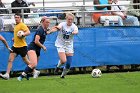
(20, 34)
(96, 73)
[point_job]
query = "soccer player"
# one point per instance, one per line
(35, 47)
(64, 43)
(19, 47)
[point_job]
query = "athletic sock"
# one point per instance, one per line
(65, 71)
(59, 64)
(26, 71)
(68, 63)
(67, 66)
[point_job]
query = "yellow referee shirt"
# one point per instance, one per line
(19, 42)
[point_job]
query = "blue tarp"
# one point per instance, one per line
(92, 46)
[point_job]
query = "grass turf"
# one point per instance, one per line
(127, 82)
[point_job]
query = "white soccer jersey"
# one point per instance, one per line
(65, 37)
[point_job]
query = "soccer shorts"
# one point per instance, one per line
(36, 49)
(22, 51)
(66, 49)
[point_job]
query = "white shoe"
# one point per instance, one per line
(36, 73)
(19, 78)
(5, 76)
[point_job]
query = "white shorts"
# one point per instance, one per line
(65, 49)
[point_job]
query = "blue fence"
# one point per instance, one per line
(92, 46)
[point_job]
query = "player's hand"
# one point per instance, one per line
(44, 48)
(55, 28)
(21, 35)
(48, 32)
(74, 32)
(13, 39)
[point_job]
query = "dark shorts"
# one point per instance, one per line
(35, 48)
(22, 51)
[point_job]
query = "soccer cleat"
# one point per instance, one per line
(19, 78)
(5, 76)
(0, 74)
(62, 77)
(36, 73)
(56, 70)
(27, 77)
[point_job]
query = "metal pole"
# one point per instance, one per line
(22, 12)
(43, 6)
(83, 14)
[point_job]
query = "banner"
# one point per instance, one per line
(97, 46)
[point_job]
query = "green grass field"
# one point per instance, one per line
(128, 82)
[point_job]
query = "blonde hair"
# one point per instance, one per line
(69, 14)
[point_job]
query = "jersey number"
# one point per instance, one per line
(65, 36)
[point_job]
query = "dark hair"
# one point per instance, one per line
(18, 14)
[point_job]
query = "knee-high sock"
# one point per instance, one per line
(26, 71)
(67, 66)
(65, 71)
(68, 63)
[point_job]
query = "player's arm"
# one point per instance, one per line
(5, 42)
(25, 29)
(26, 32)
(37, 42)
(55, 28)
(75, 30)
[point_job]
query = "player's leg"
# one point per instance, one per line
(62, 56)
(67, 66)
(69, 60)
(69, 55)
(26, 60)
(62, 61)
(36, 72)
(29, 69)
(9, 66)
(32, 47)
(33, 58)
(23, 53)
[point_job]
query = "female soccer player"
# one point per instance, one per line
(64, 42)
(35, 46)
